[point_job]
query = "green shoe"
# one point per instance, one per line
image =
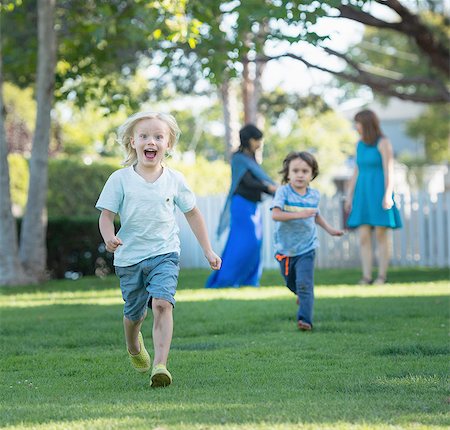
(141, 361)
(161, 377)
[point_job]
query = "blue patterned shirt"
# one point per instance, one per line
(298, 236)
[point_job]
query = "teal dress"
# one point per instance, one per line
(368, 196)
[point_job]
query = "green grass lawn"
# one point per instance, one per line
(378, 357)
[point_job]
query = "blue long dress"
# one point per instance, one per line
(241, 258)
(369, 191)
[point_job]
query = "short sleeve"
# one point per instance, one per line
(279, 198)
(185, 198)
(111, 196)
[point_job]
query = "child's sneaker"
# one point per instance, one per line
(161, 377)
(304, 326)
(141, 361)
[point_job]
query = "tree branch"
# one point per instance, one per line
(415, 80)
(365, 18)
(410, 25)
(383, 85)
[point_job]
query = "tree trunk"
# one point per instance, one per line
(230, 117)
(33, 250)
(251, 94)
(259, 70)
(248, 92)
(252, 90)
(259, 119)
(11, 271)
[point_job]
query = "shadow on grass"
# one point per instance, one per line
(351, 276)
(370, 360)
(196, 278)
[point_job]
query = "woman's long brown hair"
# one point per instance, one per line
(371, 130)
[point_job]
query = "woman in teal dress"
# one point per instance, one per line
(370, 202)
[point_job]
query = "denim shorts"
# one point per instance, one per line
(154, 277)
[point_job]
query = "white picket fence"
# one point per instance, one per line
(424, 239)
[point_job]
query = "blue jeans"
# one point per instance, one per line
(298, 272)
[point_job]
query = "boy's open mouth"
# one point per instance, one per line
(150, 154)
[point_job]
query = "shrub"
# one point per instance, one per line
(74, 187)
(75, 245)
(203, 176)
(19, 178)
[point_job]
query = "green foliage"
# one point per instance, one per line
(433, 129)
(100, 46)
(391, 55)
(20, 105)
(89, 131)
(74, 187)
(376, 360)
(20, 109)
(229, 31)
(74, 244)
(327, 135)
(92, 130)
(203, 176)
(274, 105)
(19, 178)
(190, 40)
(197, 129)
(395, 53)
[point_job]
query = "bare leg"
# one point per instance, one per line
(384, 251)
(365, 241)
(132, 329)
(162, 330)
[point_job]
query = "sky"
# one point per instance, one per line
(292, 75)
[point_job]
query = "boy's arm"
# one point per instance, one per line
(198, 227)
(106, 224)
(320, 220)
(279, 215)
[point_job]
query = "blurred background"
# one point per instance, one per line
(72, 72)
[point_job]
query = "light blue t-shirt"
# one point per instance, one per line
(298, 236)
(147, 212)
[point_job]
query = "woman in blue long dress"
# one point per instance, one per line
(241, 258)
(370, 196)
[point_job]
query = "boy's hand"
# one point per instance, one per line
(113, 244)
(272, 188)
(336, 232)
(307, 212)
(214, 260)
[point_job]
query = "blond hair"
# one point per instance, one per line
(125, 132)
